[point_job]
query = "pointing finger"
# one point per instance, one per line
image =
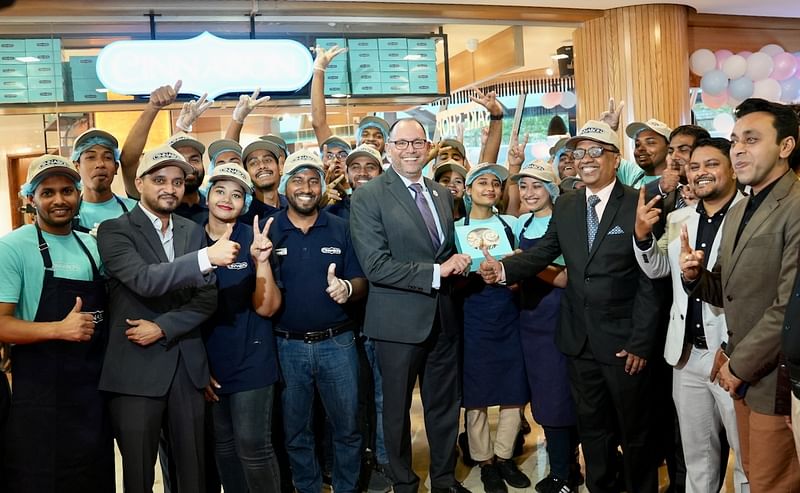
(266, 226)
(487, 255)
(685, 247)
(256, 231)
(177, 87)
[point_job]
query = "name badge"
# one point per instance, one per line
(281, 251)
(331, 250)
(238, 266)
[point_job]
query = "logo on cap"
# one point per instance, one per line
(164, 155)
(591, 130)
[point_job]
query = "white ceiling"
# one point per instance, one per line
(768, 8)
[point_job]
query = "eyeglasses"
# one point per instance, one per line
(403, 144)
(341, 155)
(594, 152)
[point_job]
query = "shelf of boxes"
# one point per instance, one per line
(31, 71)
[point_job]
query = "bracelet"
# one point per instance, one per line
(496, 118)
(320, 69)
(349, 287)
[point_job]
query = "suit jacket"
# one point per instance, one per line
(396, 254)
(661, 260)
(608, 300)
(143, 284)
(754, 281)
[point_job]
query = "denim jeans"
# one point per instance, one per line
(243, 444)
(380, 444)
(332, 366)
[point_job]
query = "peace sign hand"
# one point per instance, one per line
(647, 215)
(247, 104)
(261, 248)
(516, 151)
(488, 101)
(324, 57)
(191, 111)
(690, 260)
(612, 116)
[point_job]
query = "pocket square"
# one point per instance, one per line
(616, 230)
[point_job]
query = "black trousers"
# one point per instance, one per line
(436, 363)
(5, 405)
(138, 422)
(613, 406)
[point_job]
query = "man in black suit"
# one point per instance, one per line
(402, 230)
(161, 289)
(608, 320)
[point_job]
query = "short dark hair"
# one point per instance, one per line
(724, 145)
(424, 131)
(695, 131)
(784, 119)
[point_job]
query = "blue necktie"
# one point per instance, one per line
(427, 215)
(592, 222)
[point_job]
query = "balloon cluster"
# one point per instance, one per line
(565, 99)
(727, 78)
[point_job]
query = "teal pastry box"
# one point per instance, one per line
(471, 239)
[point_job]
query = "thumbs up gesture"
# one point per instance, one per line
(490, 269)
(337, 288)
(690, 260)
(223, 253)
(76, 326)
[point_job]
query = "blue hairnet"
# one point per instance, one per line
(96, 140)
(28, 189)
(285, 178)
(467, 198)
(369, 125)
(248, 197)
(557, 158)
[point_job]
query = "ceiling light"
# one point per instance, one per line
(549, 72)
(101, 89)
(27, 59)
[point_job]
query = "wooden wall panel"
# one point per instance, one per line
(638, 55)
(499, 54)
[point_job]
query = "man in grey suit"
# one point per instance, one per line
(161, 289)
(402, 231)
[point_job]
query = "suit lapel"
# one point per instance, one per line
(140, 219)
(178, 237)
(403, 196)
(610, 212)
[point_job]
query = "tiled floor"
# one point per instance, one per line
(533, 462)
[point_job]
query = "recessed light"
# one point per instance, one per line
(101, 89)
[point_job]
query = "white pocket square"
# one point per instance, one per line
(616, 230)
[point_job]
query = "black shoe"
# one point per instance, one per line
(463, 444)
(552, 484)
(456, 488)
(492, 480)
(379, 482)
(511, 474)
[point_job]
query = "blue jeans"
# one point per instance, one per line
(331, 366)
(380, 444)
(243, 443)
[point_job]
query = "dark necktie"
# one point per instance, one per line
(592, 222)
(427, 215)
(679, 202)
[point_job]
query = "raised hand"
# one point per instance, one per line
(516, 150)
(690, 260)
(434, 151)
(261, 248)
(669, 180)
(337, 288)
(324, 57)
(612, 115)
(247, 104)
(143, 332)
(224, 252)
(646, 216)
(191, 111)
(488, 101)
(76, 326)
(165, 95)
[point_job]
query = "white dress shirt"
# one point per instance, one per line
(604, 194)
(168, 244)
(437, 278)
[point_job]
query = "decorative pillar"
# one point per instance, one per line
(637, 54)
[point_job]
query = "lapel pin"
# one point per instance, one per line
(435, 193)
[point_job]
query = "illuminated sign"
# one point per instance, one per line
(205, 63)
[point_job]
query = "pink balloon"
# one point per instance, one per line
(715, 102)
(745, 53)
(722, 55)
(784, 66)
(551, 99)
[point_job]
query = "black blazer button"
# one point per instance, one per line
(729, 298)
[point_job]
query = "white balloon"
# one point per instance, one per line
(734, 66)
(771, 49)
(723, 123)
(769, 89)
(568, 99)
(702, 61)
(759, 66)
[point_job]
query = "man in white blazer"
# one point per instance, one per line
(696, 329)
